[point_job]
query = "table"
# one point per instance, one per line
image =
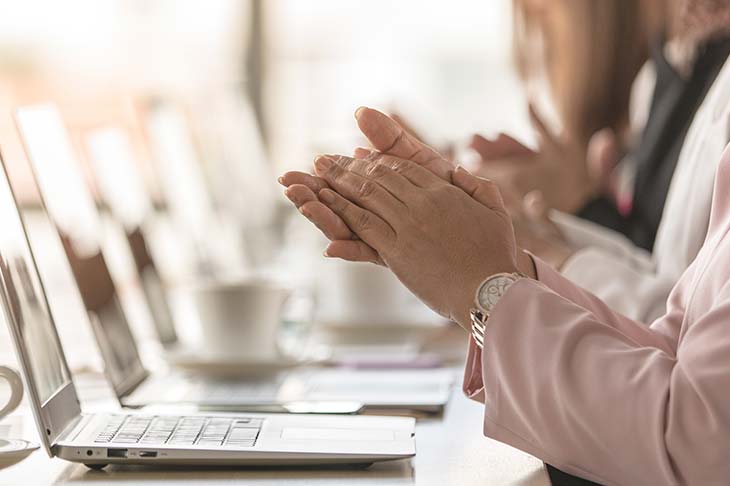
(450, 450)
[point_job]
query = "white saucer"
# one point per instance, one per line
(235, 366)
(12, 451)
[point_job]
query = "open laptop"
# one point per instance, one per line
(162, 439)
(311, 389)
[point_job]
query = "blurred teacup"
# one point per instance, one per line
(359, 294)
(16, 390)
(241, 319)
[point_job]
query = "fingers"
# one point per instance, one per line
(315, 183)
(338, 172)
(353, 251)
(300, 194)
(545, 135)
(483, 190)
(397, 185)
(389, 137)
(370, 228)
(331, 225)
(414, 173)
(502, 147)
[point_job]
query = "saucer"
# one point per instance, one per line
(12, 451)
(235, 366)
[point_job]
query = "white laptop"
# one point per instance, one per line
(162, 439)
(308, 390)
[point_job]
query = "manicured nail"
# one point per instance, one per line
(358, 112)
(323, 163)
(327, 196)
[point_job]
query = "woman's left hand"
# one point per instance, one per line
(440, 239)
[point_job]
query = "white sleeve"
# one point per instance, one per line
(611, 266)
(631, 280)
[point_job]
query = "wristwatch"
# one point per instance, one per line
(487, 296)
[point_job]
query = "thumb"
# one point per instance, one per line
(545, 135)
(602, 158)
(502, 147)
(390, 138)
(482, 190)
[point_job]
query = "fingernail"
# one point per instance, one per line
(327, 196)
(326, 254)
(323, 163)
(280, 180)
(358, 112)
(304, 212)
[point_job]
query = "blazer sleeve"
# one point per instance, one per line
(601, 396)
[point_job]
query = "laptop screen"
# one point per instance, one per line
(74, 213)
(119, 179)
(122, 187)
(25, 302)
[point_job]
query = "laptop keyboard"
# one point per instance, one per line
(181, 431)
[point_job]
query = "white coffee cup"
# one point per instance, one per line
(16, 390)
(241, 319)
(363, 295)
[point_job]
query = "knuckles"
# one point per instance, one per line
(366, 190)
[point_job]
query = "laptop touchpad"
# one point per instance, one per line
(301, 433)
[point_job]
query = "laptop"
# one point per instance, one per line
(306, 390)
(220, 439)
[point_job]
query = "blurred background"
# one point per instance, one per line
(261, 88)
(305, 65)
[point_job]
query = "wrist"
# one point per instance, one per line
(461, 315)
(526, 264)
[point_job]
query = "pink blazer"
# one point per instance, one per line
(599, 395)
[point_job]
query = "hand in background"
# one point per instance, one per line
(559, 169)
(538, 234)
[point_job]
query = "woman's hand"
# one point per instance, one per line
(562, 170)
(387, 138)
(440, 239)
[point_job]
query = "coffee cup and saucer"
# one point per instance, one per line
(12, 451)
(240, 330)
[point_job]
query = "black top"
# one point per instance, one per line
(673, 106)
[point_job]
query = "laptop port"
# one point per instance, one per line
(119, 453)
(147, 453)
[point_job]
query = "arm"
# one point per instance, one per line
(543, 352)
(626, 277)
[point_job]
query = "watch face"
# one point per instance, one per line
(492, 290)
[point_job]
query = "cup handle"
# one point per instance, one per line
(309, 318)
(16, 390)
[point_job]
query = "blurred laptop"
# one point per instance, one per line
(331, 390)
(161, 439)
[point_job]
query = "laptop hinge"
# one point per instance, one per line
(73, 429)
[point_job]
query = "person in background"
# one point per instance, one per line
(688, 125)
(587, 54)
(589, 51)
(562, 376)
